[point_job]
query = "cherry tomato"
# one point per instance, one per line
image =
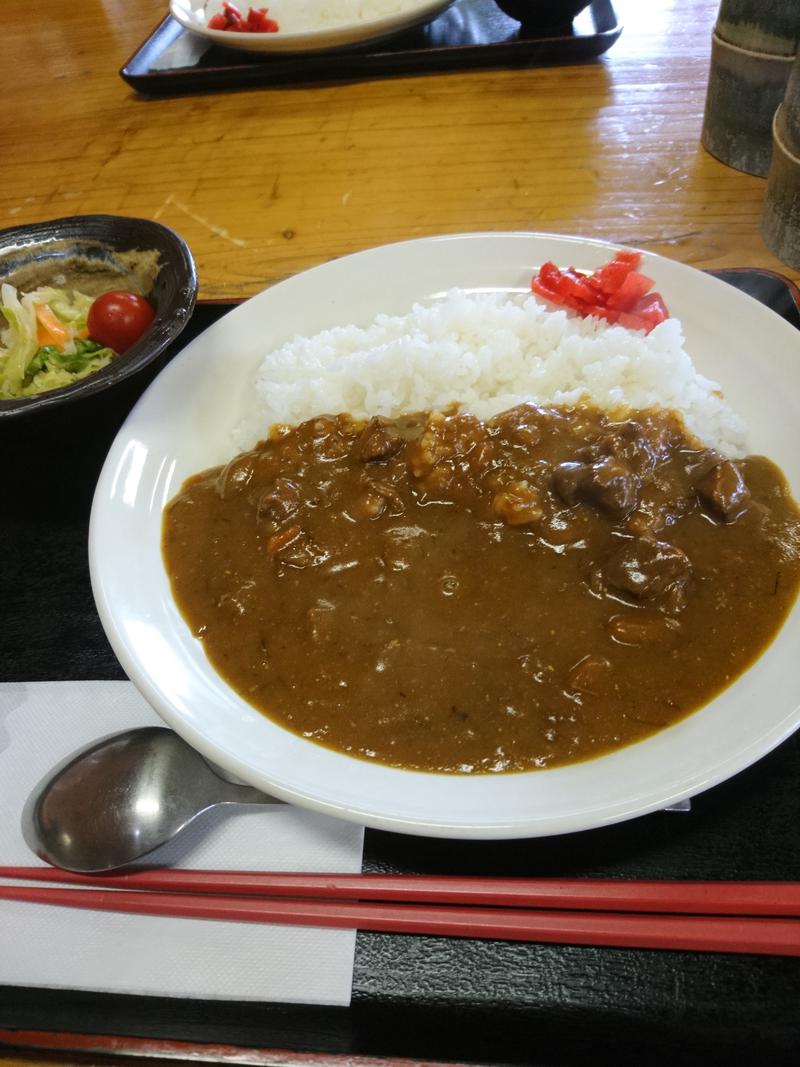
(119, 319)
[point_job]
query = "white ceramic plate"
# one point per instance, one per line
(191, 15)
(183, 423)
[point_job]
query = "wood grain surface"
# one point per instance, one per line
(263, 183)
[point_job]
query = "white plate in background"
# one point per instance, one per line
(191, 15)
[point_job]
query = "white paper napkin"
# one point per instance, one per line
(40, 724)
(185, 52)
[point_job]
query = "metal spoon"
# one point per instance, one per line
(122, 797)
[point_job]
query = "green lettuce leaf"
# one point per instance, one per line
(18, 339)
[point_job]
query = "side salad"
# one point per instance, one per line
(53, 337)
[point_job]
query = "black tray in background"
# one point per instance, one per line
(469, 35)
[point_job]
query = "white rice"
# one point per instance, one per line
(306, 16)
(486, 353)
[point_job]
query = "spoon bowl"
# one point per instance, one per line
(121, 798)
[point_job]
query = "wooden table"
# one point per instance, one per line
(264, 183)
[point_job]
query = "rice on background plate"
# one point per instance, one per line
(306, 16)
(486, 353)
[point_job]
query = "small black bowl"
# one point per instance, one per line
(94, 254)
(544, 14)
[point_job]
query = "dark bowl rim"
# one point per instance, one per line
(166, 328)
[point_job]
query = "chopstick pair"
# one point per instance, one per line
(748, 917)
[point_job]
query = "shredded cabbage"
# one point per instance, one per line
(28, 367)
(71, 307)
(18, 340)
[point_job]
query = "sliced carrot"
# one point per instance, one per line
(50, 330)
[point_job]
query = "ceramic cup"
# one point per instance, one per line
(771, 27)
(745, 88)
(788, 120)
(780, 220)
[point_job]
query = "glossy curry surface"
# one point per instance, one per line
(446, 594)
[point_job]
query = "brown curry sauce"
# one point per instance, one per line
(446, 594)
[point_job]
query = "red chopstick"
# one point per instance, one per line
(703, 933)
(694, 898)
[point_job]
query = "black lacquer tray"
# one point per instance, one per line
(469, 35)
(421, 998)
